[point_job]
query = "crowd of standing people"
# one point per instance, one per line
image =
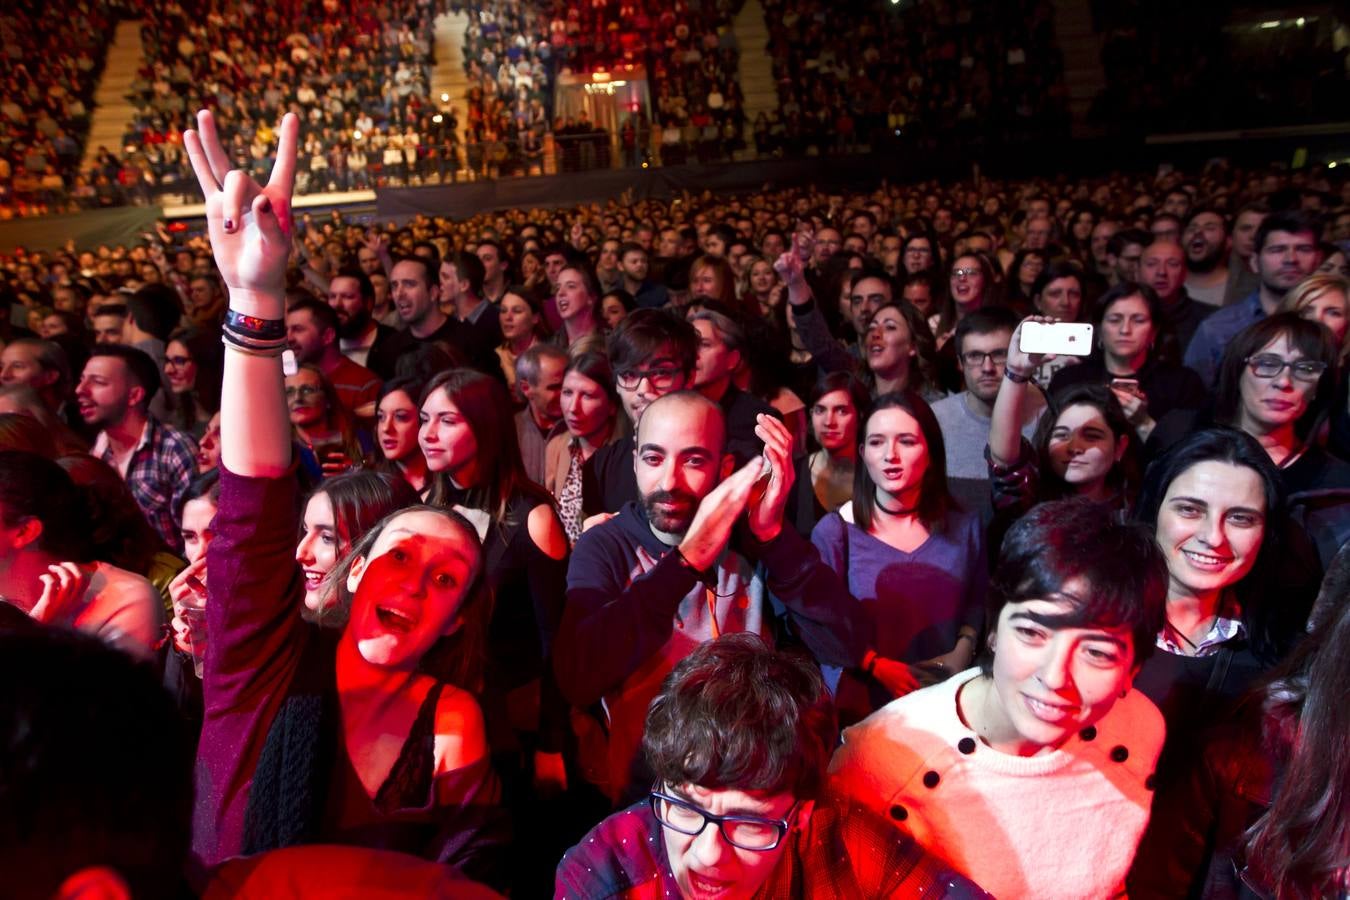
(741, 544)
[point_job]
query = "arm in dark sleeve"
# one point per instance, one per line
(610, 627)
(816, 338)
(823, 612)
(254, 592)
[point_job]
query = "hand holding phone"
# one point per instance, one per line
(1057, 338)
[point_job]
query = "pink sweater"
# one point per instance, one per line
(1063, 824)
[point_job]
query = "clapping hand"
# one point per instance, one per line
(769, 495)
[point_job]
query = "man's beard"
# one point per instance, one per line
(670, 522)
(355, 326)
(1207, 263)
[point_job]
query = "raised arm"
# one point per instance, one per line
(1014, 397)
(250, 229)
(253, 584)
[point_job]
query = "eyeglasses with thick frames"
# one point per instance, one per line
(1268, 365)
(746, 832)
(974, 359)
(661, 379)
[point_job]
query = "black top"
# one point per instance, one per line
(1167, 385)
(455, 334)
(383, 356)
(1183, 318)
(740, 409)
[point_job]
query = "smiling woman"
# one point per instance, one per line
(402, 754)
(1216, 506)
(1030, 772)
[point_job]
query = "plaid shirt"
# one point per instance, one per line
(157, 473)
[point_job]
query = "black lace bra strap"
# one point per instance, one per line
(409, 782)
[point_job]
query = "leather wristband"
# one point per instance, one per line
(1009, 374)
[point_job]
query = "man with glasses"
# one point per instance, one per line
(737, 740)
(981, 342)
(652, 353)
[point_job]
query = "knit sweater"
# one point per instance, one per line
(1064, 823)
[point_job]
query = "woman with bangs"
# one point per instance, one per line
(912, 558)
(1030, 772)
(312, 736)
(469, 439)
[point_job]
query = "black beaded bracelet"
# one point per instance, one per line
(254, 327)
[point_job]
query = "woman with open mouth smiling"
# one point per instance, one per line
(313, 736)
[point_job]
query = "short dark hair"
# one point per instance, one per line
(1116, 244)
(35, 487)
(643, 332)
(207, 485)
(1291, 221)
(736, 714)
(1064, 540)
(324, 315)
(470, 268)
(67, 809)
(630, 247)
(1202, 210)
(139, 364)
(430, 268)
(155, 309)
(364, 284)
(1308, 337)
(934, 497)
(985, 320)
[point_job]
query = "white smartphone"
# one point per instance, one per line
(1061, 338)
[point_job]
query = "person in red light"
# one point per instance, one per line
(309, 737)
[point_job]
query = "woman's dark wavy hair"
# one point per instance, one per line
(1124, 475)
(1261, 593)
(457, 658)
(1309, 338)
(737, 714)
(484, 404)
(1300, 847)
(840, 381)
(923, 370)
(934, 497)
(1123, 572)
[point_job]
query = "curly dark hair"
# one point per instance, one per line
(737, 714)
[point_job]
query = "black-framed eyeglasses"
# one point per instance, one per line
(1268, 365)
(304, 390)
(746, 832)
(661, 379)
(974, 359)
